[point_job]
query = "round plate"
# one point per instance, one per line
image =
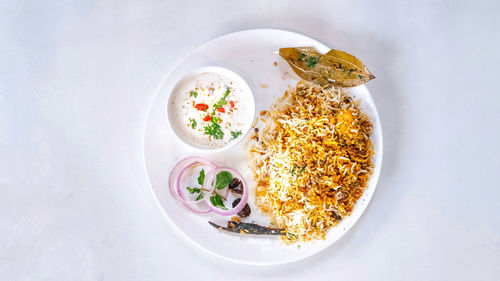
(252, 55)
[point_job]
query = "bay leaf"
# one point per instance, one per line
(335, 67)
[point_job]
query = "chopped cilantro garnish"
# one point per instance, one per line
(235, 134)
(193, 94)
(296, 171)
(199, 196)
(302, 169)
(312, 61)
(227, 92)
(214, 118)
(214, 130)
(193, 123)
(216, 201)
(222, 101)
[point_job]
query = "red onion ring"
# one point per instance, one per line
(181, 175)
(207, 183)
(177, 172)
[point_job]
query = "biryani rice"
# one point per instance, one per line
(312, 159)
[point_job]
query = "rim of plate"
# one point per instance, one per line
(354, 217)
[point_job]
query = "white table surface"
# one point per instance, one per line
(76, 82)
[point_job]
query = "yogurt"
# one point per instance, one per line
(211, 108)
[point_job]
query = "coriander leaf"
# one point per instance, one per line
(199, 196)
(193, 94)
(292, 170)
(193, 123)
(216, 201)
(223, 179)
(214, 130)
(214, 118)
(312, 61)
(235, 134)
(193, 190)
(222, 101)
(201, 177)
(302, 169)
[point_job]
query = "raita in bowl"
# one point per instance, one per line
(211, 108)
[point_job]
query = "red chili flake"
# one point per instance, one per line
(231, 103)
(207, 118)
(201, 106)
(221, 110)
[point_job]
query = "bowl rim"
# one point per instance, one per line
(233, 76)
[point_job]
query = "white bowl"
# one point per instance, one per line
(245, 91)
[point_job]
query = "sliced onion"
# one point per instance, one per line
(182, 165)
(181, 175)
(177, 173)
(208, 183)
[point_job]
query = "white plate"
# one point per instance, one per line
(251, 54)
